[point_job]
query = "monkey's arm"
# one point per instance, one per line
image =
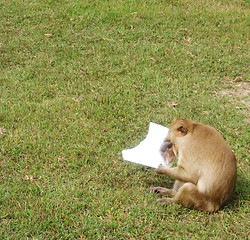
(178, 173)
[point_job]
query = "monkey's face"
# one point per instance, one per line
(175, 139)
(167, 152)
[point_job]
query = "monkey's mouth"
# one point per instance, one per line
(168, 159)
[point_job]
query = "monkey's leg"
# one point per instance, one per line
(190, 196)
(177, 184)
(163, 191)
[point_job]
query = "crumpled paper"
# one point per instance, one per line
(148, 151)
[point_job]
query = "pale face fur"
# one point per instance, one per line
(167, 152)
(206, 168)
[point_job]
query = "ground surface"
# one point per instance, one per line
(81, 80)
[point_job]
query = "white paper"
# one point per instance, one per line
(148, 151)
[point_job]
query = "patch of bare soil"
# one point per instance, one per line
(240, 91)
(239, 96)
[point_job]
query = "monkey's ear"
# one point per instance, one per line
(182, 130)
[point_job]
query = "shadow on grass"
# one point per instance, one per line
(166, 183)
(240, 194)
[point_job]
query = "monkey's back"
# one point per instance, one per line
(218, 178)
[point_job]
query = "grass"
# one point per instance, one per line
(81, 80)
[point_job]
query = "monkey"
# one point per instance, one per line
(206, 171)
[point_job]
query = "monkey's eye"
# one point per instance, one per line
(167, 144)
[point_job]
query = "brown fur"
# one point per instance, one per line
(206, 170)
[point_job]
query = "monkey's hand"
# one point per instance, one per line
(161, 169)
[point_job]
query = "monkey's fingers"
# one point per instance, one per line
(160, 169)
(163, 191)
(154, 190)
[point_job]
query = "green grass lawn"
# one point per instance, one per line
(81, 80)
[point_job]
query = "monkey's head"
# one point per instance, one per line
(177, 131)
(180, 128)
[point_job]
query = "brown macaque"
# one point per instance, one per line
(206, 170)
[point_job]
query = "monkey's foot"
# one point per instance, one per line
(163, 191)
(166, 200)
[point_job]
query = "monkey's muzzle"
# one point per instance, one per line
(167, 152)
